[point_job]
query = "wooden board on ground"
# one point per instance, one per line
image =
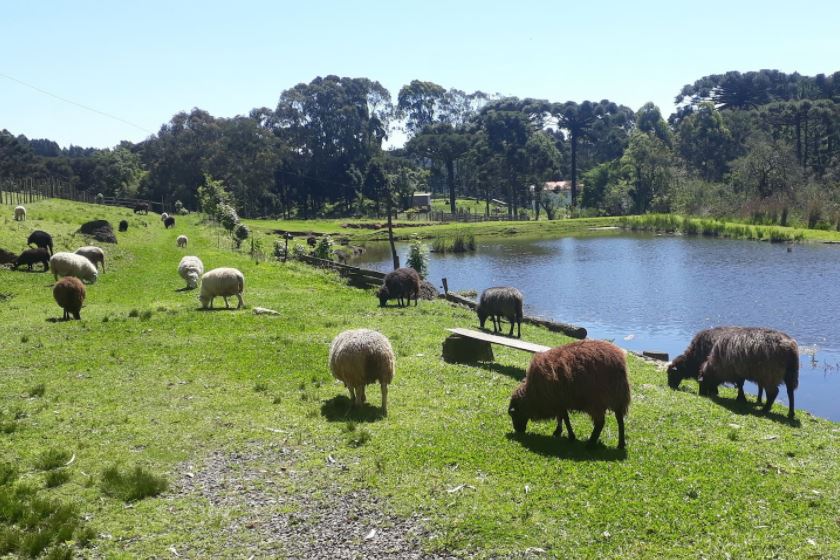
(502, 340)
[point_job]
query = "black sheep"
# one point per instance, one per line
(169, 222)
(501, 302)
(34, 256)
(399, 284)
(123, 225)
(41, 239)
(141, 208)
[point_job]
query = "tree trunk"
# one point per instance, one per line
(391, 237)
(574, 169)
(450, 182)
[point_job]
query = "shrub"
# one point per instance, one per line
(56, 478)
(133, 484)
(37, 390)
(418, 256)
(324, 248)
(240, 234)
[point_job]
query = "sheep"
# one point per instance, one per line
(93, 254)
(360, 357)
(169, 222)
(221, 282)
(69, 294)
(20, 214)
(123, 225)
(71, 264)
(766, 356)
(41, 239)
(7, 257)
(501, 302)
(688, 363)
(163, 216)
(589, 375)
(401, 283)
(182, 240)
(190, 269)
(141, 208)
(33, 256)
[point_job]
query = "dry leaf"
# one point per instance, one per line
(370, 535)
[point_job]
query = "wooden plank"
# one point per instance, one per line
(502, 340)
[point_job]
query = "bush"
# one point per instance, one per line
(324, 248)
(133, 484)
(418, 256)
(240, 234)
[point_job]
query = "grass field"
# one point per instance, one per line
(148, 380)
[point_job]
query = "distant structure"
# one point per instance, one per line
(563, 189)
(422, 201)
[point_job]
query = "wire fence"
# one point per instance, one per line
(15, 192)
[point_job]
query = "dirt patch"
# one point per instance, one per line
(278, 521)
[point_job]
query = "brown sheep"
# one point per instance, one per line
(687, 365)
(766, 356)
(399, 284)
(590, 376)
(69, 294)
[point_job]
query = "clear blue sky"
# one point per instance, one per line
(145, 61)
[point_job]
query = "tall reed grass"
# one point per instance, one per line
(669, 223)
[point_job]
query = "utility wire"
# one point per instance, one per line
(91, 109)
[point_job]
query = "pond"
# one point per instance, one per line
(647, 292)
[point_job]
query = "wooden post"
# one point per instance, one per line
(445, 286)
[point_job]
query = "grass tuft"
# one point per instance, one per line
(133, 484)
(358, 437)
(51, 459)
(37, 390)
(56, 478)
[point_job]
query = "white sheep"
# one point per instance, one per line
(20, 214)
(190, 269)
(93, 254)
(182, 241)
(360, 357)
(71, 264)
(222, 282)
(163, 216)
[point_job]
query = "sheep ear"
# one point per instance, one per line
(512, 409)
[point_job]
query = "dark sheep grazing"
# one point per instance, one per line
(34, 256)
(123, 225)
(590, 376)
(687, 365)
(7, 257)
(766, 356)
(41, 239)
(169, 222)
(501, 302)
(400, 284)
(69, 294)
(141, 208)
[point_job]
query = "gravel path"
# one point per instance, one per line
(279, 521)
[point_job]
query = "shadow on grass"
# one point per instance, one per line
(222, 308)
(186, 289)
(516, 373)
(752, 408)
(564, 448)
(59, 320)
(339, 409)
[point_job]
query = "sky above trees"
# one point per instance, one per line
(141, 63)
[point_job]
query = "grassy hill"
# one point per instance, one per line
(239, 414)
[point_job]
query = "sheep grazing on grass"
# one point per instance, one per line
(141, 208)
(7, 257)
(400, 284)
(765, 356)
(93, 254)
(169, 222)
(182, 241)
(69, 294)
(361, 357)
(590, 375)
(41, 239)
(71, 264)
(20, 214)
(687, 365)
(33, 256)
(190, 269)
(501, 302)
(222, 282)
(123, 225)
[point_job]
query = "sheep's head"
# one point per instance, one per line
(192, 280)
(518, 414)
(205, 301)
(677, 371)
(482, 315)
(383, 296)
(708, 380)
(94, 276)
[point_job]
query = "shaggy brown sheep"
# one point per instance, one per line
(123, 225)
(687, 365)
(590, 376)
(33, 256)
(69, 294)
(765, 356)
(400, 284)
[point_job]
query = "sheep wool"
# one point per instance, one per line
(190, 269)
(20, 214)
(71, 264)
(501, 302)
(400, 284)
(41, 239)
(182, 241)
(222, 282)
(589, 375)
(163, 216)
(69, 294)
(30, 257)
(93, 254)
(360, 357)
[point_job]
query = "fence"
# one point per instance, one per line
(435, 216)
(358, 277)
(23, 191)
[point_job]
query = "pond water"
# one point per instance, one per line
(649, 292)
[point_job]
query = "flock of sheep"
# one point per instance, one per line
(588, 376)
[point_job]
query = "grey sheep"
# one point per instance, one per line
(501, 302)
(360, 357)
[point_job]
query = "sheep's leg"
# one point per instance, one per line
(352, 396)
(760, 392)
(559, 430)
(565, 416)
(360, 394)
(384, 388)
(741, 396)
(511, 328)
(227, 305)
(772, 393)
(598, 420)
(790, 402)
(241, 301)
(620, 419)
(519, 328)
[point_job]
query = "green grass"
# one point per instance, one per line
(671, 223)
(169, 391)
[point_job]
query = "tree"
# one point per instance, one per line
(649, 119)
(419, 102)
(443, 144)
(377, 181)
(768, 168)
(647, 163)
(704, 142)
(543, 163)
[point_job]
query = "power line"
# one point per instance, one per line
(91, 109)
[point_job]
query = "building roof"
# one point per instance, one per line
(558, 186)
